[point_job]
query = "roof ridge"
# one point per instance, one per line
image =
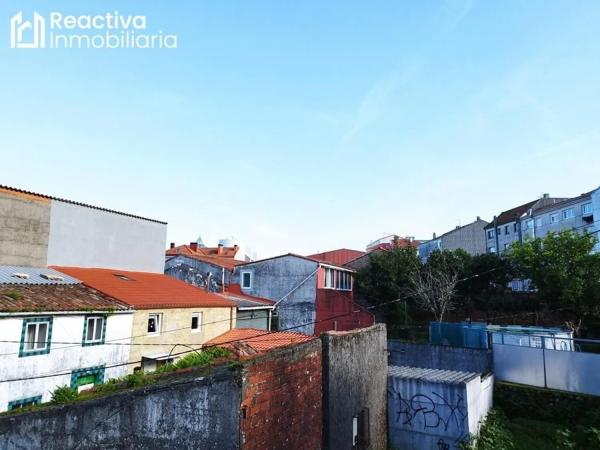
(86, 205)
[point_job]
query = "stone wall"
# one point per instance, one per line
(354, 380)
(185, 414)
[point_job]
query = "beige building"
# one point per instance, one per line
(171, 318)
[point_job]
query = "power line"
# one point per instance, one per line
(51, 375)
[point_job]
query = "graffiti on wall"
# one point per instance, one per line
(432, 412)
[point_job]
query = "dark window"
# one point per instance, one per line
(515, 227)
(506, 229)
(246, 280)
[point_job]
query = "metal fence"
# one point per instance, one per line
(547, 362)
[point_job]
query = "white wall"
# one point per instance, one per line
(62, 357)
(86, 237)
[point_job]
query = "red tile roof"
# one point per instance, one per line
(223, 252)
(260, 341)
(227, 263)
(144, 290)
(338, 257)
(64, 297)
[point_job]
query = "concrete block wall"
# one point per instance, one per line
(354, 378)
(439, 357)
(24, 229)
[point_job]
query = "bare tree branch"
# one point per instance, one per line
(433, 290)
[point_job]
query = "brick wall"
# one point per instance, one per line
(282, 399)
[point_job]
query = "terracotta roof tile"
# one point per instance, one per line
(227, 263)
(144, 290)
(338, 257)
(259, 340)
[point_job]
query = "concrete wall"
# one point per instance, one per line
(187, 414)
(62, 358)
(195, 272)
(277, 277)
(423, 414)
(24, 229)
(439, 357)
(282, 399)
(470, 238)
(354, 378)
(176, 328)
(87, 237)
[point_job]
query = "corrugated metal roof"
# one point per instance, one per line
(33, 275)
(431, 375)
(246, 302)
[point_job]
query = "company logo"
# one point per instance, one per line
(103, 31)
(21, 29)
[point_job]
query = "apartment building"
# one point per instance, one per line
(469, 238)
(515, 224)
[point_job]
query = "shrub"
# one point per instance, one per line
(64, 394)
(495, 433)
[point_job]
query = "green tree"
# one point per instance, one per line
(387, 278)
(563, 269)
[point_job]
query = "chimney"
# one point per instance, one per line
(172, 244)
(220, 249)
(194, 246)
(478, 219)
(546, 195)
(434, 235)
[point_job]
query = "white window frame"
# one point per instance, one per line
(158, 319)
(554, 218)
(94, 320)
(250, 278)
(568, 214)
(585, 210)
(36, 337)
(490, 234)
(199, 328)
(328, 278)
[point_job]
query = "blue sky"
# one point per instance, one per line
(310, 126)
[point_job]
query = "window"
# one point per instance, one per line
(506, 230)
(529, 224)
(35, 336)
(554, 218)
(568, 213)
(196, 322)
(329, 277)
(246, 280)
(343, 280)
(82, 379)
(538, 222)
(515, 227)
(586, 209)
(24, 402)
(154, 323)
(360, 430)
(506, 246)
(337, 279)
(94, 329)
(492, 249)
(490, 234)
(499, 231)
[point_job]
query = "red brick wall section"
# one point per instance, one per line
(282, 399)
